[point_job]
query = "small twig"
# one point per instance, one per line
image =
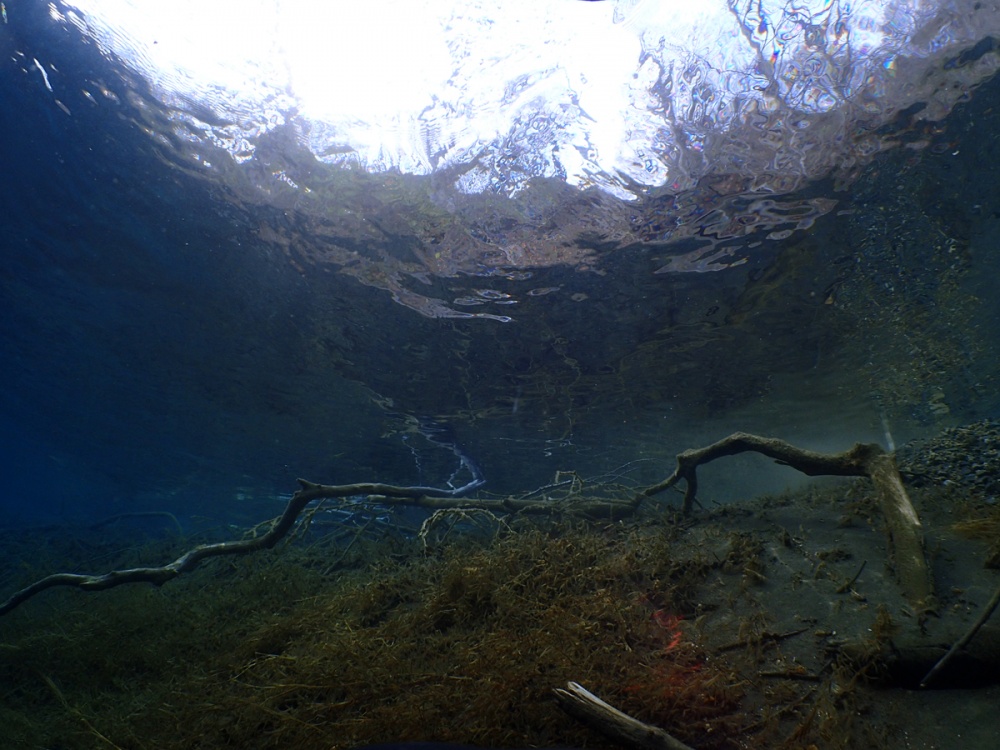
(456, 516)
(616, 475)
(773, 637)
(963, 641)
(545, 488)
(343, 554)
(847, 586)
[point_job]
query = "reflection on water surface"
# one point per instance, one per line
(177, 311)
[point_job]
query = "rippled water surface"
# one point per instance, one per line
(186, 315)
(505, 252)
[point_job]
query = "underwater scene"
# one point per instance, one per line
(515, 374)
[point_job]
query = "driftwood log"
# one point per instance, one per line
(905, 532)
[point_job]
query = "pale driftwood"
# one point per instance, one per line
(906, 536)
(581, 704)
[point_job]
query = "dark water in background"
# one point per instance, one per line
(162, 348)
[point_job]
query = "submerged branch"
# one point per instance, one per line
(852, 463)
(580, 703)
(193, 557)
(905, 532)
(906, 537)
(423, 497)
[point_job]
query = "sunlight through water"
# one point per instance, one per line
(623, 96)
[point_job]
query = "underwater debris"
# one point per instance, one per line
(581, 703)
(498, 600)
(962, 642)
(870, 460)
(465, 644)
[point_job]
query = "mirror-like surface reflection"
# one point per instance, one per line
(173, 311)
(644, 231)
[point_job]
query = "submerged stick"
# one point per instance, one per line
(906, 537)
(963, 641)
(617, 725)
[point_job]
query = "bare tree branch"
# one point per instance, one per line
(905, 532)
(851, 463)
(423, 497)
(192, 558)
(862, 460)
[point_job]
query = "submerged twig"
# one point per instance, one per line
(963, 641)
(845, 587)
(455, 516)
(771, 637)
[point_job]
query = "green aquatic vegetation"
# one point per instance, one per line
(463, 644)
(333, 641)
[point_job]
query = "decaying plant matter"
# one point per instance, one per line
(760, 624)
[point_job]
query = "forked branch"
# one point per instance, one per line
(905, 532)
(193, 557)
(855, 462)
(906, 536)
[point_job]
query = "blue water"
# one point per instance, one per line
(175, 343)
(166, 344)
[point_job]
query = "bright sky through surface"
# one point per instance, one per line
(618, 95)
(421, 85)
(362, 157)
